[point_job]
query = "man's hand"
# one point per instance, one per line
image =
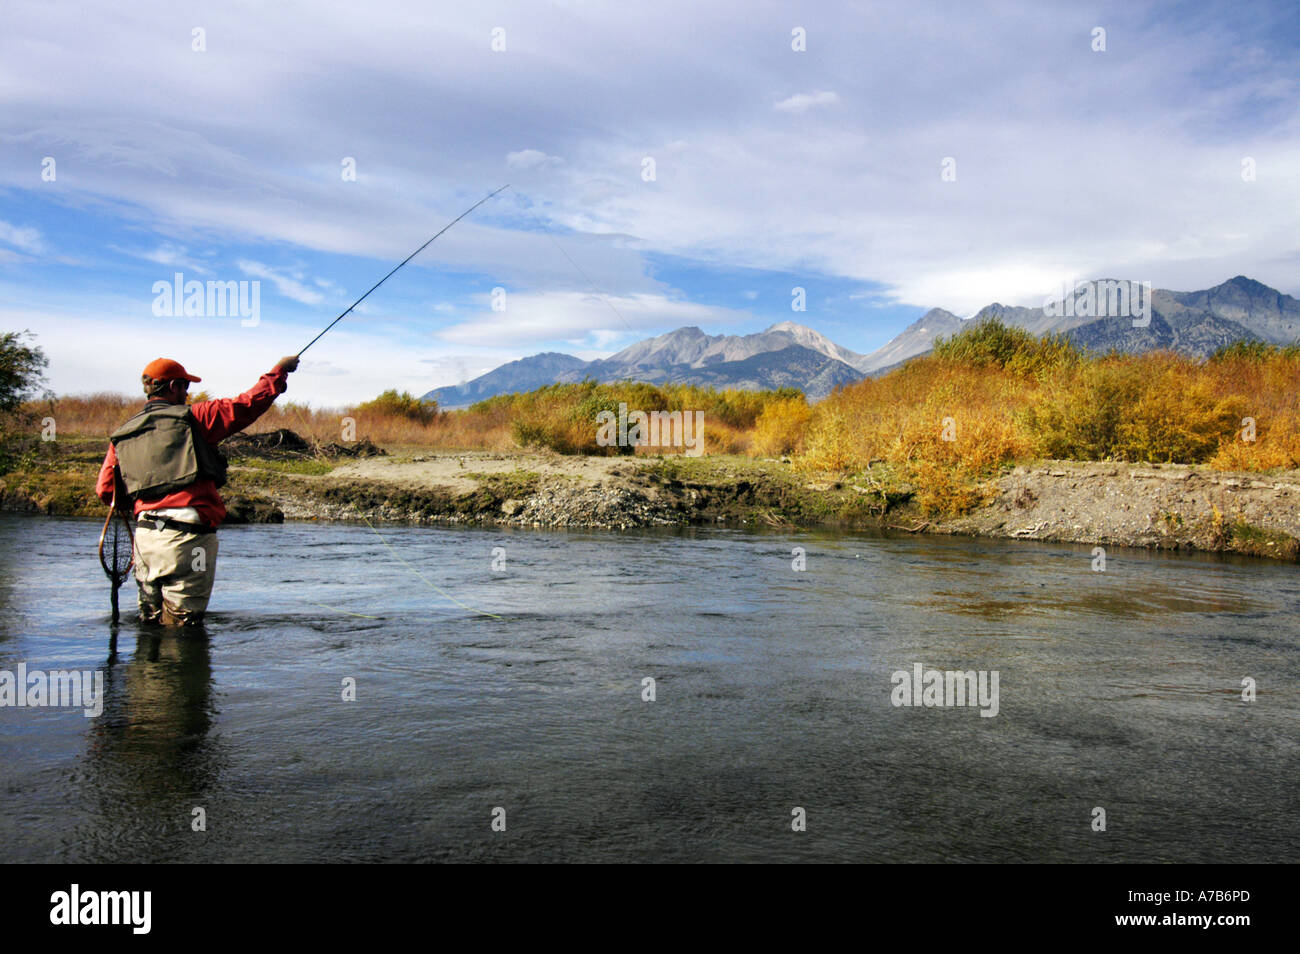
(288, 364)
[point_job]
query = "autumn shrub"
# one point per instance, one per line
(1157, 407)
(96, 415)
(989, 342)
(1177, 424)
(400, 404)
(781, 427)
(1078, 413)
(1268, 434)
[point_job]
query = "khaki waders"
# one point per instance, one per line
(175, 567)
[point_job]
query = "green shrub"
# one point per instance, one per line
(990, 342)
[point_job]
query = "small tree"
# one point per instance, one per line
(22, 370)
(21, 377)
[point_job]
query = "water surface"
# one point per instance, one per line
(522, 689)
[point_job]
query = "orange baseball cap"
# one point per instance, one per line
(165, 369)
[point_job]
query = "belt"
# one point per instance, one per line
(168, 524)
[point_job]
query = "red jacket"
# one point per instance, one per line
(216, 421)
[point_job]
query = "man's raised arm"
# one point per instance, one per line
(222, 417)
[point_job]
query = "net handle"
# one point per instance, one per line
(114, 510)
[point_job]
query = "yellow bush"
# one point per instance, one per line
(1276, 445)
(781, 428)
(829, 445)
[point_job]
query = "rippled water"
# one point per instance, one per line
(1119, 689)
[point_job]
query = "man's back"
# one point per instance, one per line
(213, 422)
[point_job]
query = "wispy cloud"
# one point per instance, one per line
(531, 159)
(23, 237)
(169, 255)
(801, 102)
(290, 286)
(577, 316)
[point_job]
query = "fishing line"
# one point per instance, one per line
(600, 293)
(427, 581)
(337, 610)
(399, 265)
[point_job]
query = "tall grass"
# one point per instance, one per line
(561, 417)
(85, 414)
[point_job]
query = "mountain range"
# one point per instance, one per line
(792, 355)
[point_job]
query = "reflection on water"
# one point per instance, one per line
(152, 749)
(1119, 689)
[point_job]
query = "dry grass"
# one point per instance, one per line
(85, 415)
(561, 417)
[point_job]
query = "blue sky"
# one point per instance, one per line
(774, 168)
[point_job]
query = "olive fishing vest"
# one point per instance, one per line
(159, 451)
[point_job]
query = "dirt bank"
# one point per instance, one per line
(1168, 506)
(1164, 506)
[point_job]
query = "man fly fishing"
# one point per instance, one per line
(165, 461)
(170, 468)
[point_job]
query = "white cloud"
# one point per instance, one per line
(23, 237)
(531, 159)
(1073, 163)
(310, 368)
(575, 316)
(352, 366)
(168, 255)
(290, 287)
(801, 102)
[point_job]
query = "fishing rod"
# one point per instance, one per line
(403, 262)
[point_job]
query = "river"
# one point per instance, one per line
(515, 697)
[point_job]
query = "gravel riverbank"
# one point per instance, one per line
(1111, 504)
(1154, 506)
